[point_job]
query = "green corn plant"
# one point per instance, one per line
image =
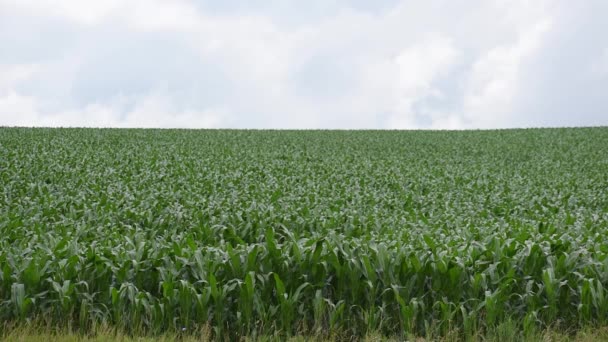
(20, 301)
(551, 287)
(64, 293)
(247, 300)
(336, 313)
(407, 312)
(288, 303)
(319, 313)
(335, 233)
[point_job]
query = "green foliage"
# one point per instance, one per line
(287, 232)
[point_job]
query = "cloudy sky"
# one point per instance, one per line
(388, 64)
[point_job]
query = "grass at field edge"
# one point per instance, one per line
(505, 332)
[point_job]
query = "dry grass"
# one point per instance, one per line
(506, 333)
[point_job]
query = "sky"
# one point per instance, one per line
(315, 64)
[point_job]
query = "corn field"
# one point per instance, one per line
(251, 233)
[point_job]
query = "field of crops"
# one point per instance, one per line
(304, 232)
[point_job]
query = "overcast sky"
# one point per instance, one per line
(439, 64)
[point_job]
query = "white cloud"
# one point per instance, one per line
(163, 15)
(153, 110)
(14, 74)
(493, 82)
(158, 110)
(600, 65)
(18, 110)
(433, 64)
(410, 77)
(82, 12)
(420, 64)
